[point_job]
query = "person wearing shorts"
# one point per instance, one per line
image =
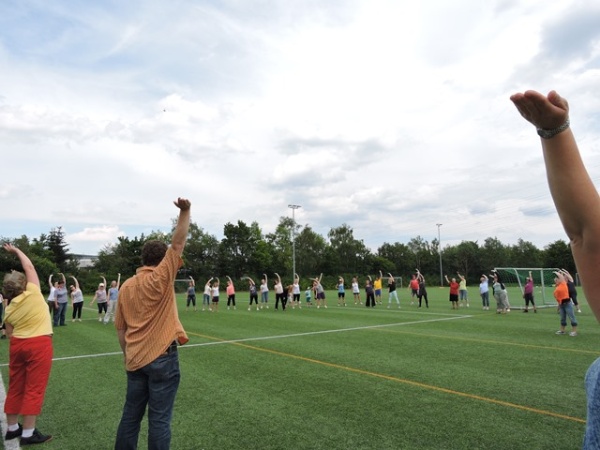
(378, 286)
(463, 293)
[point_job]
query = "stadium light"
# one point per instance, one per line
(294, 208)
(440, 253)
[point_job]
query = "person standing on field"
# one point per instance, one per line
(484, 292)
(463, 293)
(454, 288)
(52, 303)
(113, 298)
(392, 293)
(528, 294)
(30, 352)
(76, 300)
(230, 290)
(100, 299)
(149, 332)
(572, 288)
(62, 300)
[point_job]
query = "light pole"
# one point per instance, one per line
(440, 253)
(294, 208)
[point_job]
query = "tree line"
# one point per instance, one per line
(245, 250)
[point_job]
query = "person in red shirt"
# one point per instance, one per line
(454, 286)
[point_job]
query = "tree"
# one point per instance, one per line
(59, 248)
(525, 254)
(201, 254)
(310, 252)
(281, 243)
(558, 254)
(399, 254)
(349, 252)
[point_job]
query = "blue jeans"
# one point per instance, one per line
(59, 314)
(155, 386)
(566, 309)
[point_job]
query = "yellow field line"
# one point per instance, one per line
(399, 380)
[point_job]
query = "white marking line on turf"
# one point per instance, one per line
(13, 444)
(266, 338)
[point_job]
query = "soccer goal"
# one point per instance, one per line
(543, 281)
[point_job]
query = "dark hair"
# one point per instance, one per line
(153, 252)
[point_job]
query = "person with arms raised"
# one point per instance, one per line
(149, 332)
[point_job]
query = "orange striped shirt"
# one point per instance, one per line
(147, 312)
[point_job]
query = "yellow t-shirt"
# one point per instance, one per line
(28, 314)
(377, 284)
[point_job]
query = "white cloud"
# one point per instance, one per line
(389, 116)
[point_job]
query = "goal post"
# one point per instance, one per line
(514, 278)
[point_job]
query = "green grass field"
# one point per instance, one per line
(340, 378)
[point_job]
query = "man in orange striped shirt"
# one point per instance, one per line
(149, 331)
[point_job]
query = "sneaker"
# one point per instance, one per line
(36, 438)
(573, 333)
(560, 332)
(525, 310)
(13, 434)
(578, 310)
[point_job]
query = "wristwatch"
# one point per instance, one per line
(547, 134)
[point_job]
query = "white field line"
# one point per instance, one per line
(14, 444)
(284, 336)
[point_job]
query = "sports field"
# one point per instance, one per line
(340, 378)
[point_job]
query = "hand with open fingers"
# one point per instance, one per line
(545, 112)
(183, 203)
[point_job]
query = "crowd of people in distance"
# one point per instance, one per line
(58, 300)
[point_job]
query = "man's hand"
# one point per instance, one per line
(544, 112)
(183, 204)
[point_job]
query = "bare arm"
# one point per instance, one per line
(76, 282)
(28, 268)
(182, 227)
(573, 192)
(193, 282)
(50, 281)
(118, 281)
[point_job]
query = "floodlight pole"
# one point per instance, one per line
(294, 208)
(440, 253)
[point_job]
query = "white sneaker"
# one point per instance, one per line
(578, 310)
(573, 333)
(249, 309)
(560, 332)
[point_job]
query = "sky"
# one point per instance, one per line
(390, 116)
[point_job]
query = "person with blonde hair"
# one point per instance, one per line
(29, 328)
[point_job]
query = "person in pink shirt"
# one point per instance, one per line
(528, 294)
(230, 293)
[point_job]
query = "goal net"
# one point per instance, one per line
(514, 278)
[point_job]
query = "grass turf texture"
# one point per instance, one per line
(339, 378)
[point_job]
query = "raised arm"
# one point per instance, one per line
(183, 223)
(278, 278)
(104, 281)
(573, 192)
(192, 281)
(28, 268)
(118, 280)
(76, 282)
(62, 276)
(266, 279)
(50, 282)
